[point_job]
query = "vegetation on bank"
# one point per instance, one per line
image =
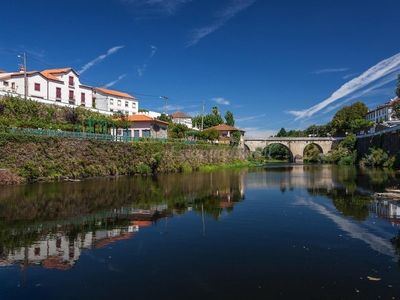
(42, 158)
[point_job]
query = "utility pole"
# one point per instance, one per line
(25, 85)
(165, 104)
(202, 116)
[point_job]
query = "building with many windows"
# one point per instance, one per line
(114, 101)
(62, 86)
(383, 113)
(58, 85)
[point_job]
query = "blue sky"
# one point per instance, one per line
(273, 64)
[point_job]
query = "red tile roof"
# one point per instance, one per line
(224, 127)
(49, 74)
(180, 115)
(115, 93)
(143, 118)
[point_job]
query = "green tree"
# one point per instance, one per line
(215, 110)
(209, 134)
(209, 120)
(165, 118)
(229, 120)
(282, 133)
(396, 110)
(342, 120)
(177, 130)
(397, 90)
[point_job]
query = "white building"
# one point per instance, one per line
(382, 113)
(182, 118)
(58, 85)
(115, 101)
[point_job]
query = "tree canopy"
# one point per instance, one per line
(344, 118)
(397, 90)
(229, 120)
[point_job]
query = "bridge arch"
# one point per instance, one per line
(296, 146)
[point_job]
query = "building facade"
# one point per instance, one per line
(143, 126)
(382, 113)
(115, 101)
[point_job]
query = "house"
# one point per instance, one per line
(179, 117)
(143, 126)
(226, 134)
(115, 101)
(382, 113)
(57, 85)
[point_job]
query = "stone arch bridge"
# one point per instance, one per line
(296, 145)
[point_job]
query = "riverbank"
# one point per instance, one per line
(25, 158)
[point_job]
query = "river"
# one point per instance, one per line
(284, 231)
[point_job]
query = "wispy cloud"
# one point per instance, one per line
(330, 71)
(99, 58)
(153, 50)
(250, 118)
(142, 69)
(384, 72)
(258, 132)
(222, 18)
(115, 81)
(153, 8)
(349, 75)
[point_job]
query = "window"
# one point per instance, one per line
(119, 132)
(5, 83)
(71, 81)
(71, 95)
(83, 97)
(37, 87)
(119, 102)
(145, 132)
(13, 85)
(134, 105)
(58, 93)
(111, 101)
(136, 133)
(126, 104)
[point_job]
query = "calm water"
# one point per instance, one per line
(281, 232)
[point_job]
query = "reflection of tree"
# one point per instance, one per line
(77, 206)
(354, 206)
(396, 243)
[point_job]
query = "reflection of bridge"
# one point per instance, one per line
(296, 145)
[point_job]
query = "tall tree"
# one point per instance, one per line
(344, 118)
(229, 120)
(281, 133)
(215, 110)
(397, 90)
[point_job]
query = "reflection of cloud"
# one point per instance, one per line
(227, 14)
(383, 71)
(354, 230)
(99, 58)
(115, 81)
(220, 100)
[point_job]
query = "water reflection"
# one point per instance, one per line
(52, 224)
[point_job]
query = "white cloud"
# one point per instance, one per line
(330, 71)
(115, 81)
(220, 100)
(99, 58)
(227, 14)
(383, 71)
(151, 8)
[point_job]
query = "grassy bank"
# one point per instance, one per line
(35, 158)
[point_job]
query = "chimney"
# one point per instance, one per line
(21, 70)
